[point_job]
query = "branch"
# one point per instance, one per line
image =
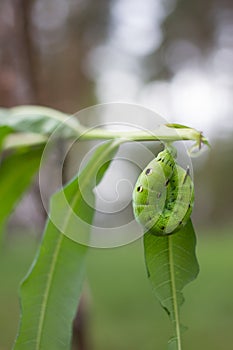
(166, 133)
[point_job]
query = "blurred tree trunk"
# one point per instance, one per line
(81, 340)
(17, 80)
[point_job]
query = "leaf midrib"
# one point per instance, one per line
(46, 294)
(174, 294)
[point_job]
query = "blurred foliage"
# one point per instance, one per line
(190, 23)
(55, 38)
(125, 315)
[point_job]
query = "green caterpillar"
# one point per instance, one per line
(163, 196)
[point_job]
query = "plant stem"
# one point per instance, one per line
(162, 133)
(166, 133)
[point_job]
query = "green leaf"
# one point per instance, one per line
(50, 292)
(40, 120)
(171, 264)
(16, 173)
(177, 126)
(202, 139)
(4, 131)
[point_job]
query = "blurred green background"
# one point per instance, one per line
(121, 312)
(175, 57)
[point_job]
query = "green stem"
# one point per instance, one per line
(166, 133)
(162, 133)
